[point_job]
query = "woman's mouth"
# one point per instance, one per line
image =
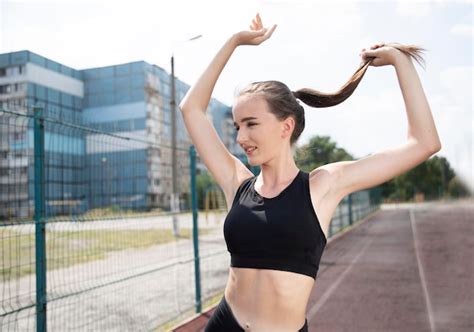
(250, 151)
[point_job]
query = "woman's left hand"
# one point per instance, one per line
(383, 54)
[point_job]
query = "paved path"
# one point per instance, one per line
(406, 268)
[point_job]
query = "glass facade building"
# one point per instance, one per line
(132, 100)
(27, 79)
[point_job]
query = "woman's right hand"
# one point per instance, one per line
(256, 35)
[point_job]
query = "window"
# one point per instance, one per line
(123, 125)
(3, 72)
(5, 89)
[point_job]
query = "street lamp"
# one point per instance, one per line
(175, 194)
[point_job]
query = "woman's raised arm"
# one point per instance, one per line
(422, 141)
(199, 95)
(224, 167)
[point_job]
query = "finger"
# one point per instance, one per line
(377, 46)
(255, 25)
(375, 62)
(368, 59)
(269, 32)
(259, 19)
(368, 54)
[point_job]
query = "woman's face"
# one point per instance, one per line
(260, 134)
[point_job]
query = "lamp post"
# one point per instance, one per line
(175, 194)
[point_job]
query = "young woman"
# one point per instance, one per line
(278, 221)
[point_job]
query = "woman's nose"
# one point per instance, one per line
(241, 138)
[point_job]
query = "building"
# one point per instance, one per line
(89, 170)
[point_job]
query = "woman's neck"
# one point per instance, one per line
(272, 176)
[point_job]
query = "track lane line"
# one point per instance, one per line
(422, 274)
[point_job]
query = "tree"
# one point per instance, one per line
(204, 182)
(320, 150)
(431, 178)
(456, 188)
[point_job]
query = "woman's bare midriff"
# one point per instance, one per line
(268, 300)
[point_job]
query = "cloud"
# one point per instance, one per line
(423, 8)
(462, 30)
(308, 38)
(413, 9)
(363, 124)
(457, 83)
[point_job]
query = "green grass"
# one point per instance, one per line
(67, 248)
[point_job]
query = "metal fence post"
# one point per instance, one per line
(40, 229)
(197, 270)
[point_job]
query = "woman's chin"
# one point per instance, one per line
(253, 162)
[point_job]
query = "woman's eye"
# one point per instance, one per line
(248, 125)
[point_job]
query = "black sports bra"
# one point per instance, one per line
(279, 233)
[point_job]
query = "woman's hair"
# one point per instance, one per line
(283, 102)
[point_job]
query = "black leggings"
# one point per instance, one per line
(224, 320)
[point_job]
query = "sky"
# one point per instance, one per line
(315, 45)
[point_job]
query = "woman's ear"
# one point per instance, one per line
(287, 127)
